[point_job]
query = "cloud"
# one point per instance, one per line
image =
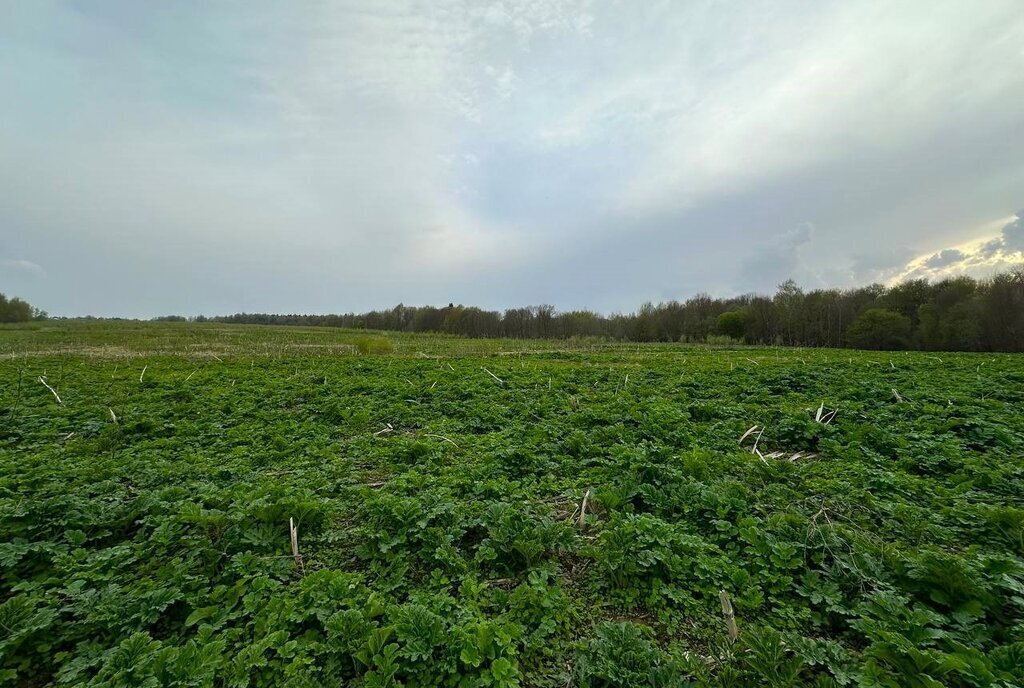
(978, 258)
(778, 259)
(879, 265)
(944, 258)
(175, 157)
(807, 90)
(23, 266)
(1013, 234)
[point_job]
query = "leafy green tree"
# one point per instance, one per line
(733, 323)
(879, 328)
(15, 310)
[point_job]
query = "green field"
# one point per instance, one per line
(874, 536)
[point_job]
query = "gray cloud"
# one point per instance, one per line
(162, 158)
(777, 260)
(945, 258)
(1013, 234)
(880, 265)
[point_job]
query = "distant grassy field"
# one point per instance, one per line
(502, 513)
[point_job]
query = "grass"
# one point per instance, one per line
(247, 505)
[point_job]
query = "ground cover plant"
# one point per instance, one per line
(204, 504)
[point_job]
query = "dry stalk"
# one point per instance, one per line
(500, 381)
(583, 509)
(753, 450)
(441, 437)
(747, 433)
(294, 533)
(42, 378)
(143, 372)
(729, 615)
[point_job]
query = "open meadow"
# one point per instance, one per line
(221, 505)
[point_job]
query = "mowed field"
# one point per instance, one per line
(502, 513)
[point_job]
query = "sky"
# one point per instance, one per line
(313, 157)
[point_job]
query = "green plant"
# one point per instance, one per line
(145, 540)
(373, 346)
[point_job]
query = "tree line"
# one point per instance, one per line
(14, 310)
(955, 314)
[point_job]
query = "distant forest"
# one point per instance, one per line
(956, 314)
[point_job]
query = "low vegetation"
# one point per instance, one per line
(214, 505)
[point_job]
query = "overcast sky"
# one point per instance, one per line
(194, 157)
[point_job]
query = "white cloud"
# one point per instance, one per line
(979, 258)
(351, 155)
(23, 266)
(845, 81)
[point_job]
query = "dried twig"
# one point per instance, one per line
(747, 433)
(897, 395)
(753, 450)
(113, 416)
(500, 381)
(143, 372)
(729, 615)
(293, 531)
(583, 509)
(384, 431)
(441, 437)
(42, 378)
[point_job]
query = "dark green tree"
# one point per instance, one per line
(733, 323)
(14, 310)
(879, 328)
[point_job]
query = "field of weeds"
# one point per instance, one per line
(217, 505)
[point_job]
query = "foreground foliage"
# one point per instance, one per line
(436, 486)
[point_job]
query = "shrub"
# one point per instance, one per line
(373, 346)
(721, 340)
